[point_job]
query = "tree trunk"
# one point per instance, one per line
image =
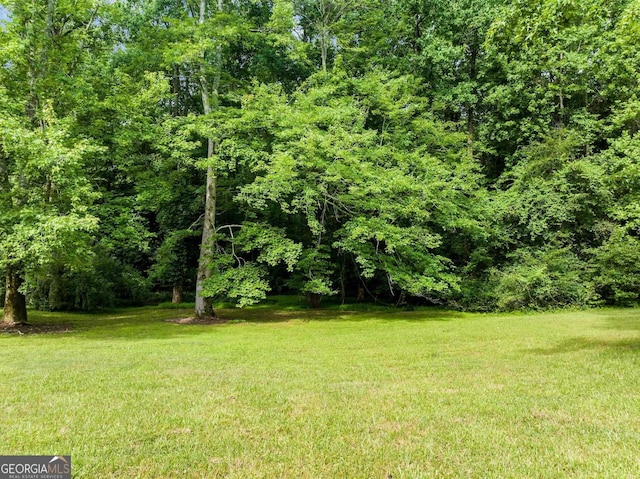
(204, 306)
(417, 34)
(15, 303)
(313, 300)
(175, 89)
(177, 297)
(323, 50)
(323, 10)
(343, 288)
(56, 290)
(51, 7)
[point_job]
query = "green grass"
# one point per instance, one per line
(328, 394)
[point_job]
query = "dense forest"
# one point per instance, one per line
(475, 154)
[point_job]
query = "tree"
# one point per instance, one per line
(550, 214)
(320, 20)
(44, 197)
(549, 56)
(447, 50)
(372, 179)
(45, 193)
(198, 48)
(559, 116)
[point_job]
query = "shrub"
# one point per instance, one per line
(618, 269)
(551, 278)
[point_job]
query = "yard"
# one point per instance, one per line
(291, 393)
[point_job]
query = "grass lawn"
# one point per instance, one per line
(328, 394)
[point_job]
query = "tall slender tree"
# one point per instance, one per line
(209, 91)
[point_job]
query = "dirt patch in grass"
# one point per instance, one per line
(196, 320)
(22, 329)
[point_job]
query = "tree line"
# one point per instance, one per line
(473, 154)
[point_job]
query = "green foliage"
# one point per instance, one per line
(314, 272)
(618, 268)
(550, 57)
(550, 215)
(269, 245)
(616, 258)
(171, 262)
(245, 284)
(240, 265)
(369, 177)
(541, 279)
(45, 195)
(478, 154)
(102, 283)
(554, 194)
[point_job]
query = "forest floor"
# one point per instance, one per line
(282, 392)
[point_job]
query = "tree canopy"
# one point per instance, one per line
(478, 155)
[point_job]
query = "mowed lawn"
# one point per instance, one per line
(328, 394)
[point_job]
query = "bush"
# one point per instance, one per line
(105, 283)
(551, 278)
(618, 269)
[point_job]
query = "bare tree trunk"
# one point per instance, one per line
(330, 12)
(204, 305)
(175, 89)
(323, 10)
(313, 300)
(177, 296)
(417, 33)
(15, 303)
(56, 290)
(343, 288)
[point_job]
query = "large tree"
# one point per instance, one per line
(44, 190)
(208, 53)
(369, 181)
